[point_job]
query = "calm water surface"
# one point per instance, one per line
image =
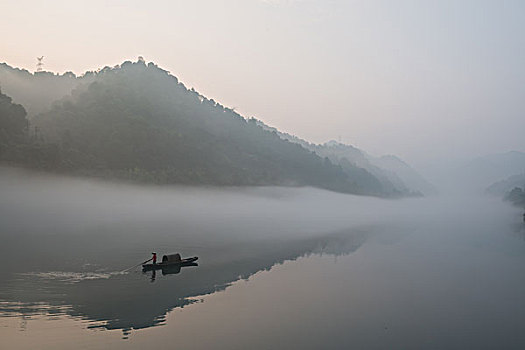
(278, 268)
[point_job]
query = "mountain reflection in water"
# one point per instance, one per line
(127, 301)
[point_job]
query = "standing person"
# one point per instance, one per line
(154, 258)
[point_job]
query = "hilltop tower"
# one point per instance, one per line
(39, 64)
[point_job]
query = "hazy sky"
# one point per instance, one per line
(413, 78)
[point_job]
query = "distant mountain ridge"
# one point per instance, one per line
(406, 173)
(136, 121)
(510, 188)
(482, 172)
(394, 175)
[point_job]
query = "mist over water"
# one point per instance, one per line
(446, 261)
(334, 175)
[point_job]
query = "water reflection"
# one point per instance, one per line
(127, 301)
(167, 270)
(429, 274)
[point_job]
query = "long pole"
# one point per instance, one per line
(126, 270)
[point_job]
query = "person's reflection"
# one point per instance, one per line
(153, 275)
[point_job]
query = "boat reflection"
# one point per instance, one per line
(173, 270)
(167, 270)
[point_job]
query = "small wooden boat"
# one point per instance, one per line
(170, 261)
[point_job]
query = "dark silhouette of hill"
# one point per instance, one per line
(138, 122)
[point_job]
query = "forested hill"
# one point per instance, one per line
(136, 121)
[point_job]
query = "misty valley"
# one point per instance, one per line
(255, 238)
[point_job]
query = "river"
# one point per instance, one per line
(278, 268)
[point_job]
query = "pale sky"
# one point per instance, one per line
(419, 79)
